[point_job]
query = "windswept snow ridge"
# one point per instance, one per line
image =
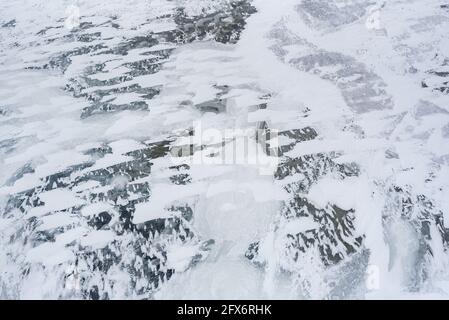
(233, 149)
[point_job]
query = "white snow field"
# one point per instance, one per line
(232, 149)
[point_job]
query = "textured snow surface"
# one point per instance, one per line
(101, 192)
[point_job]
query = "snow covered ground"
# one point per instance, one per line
(156, 149)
